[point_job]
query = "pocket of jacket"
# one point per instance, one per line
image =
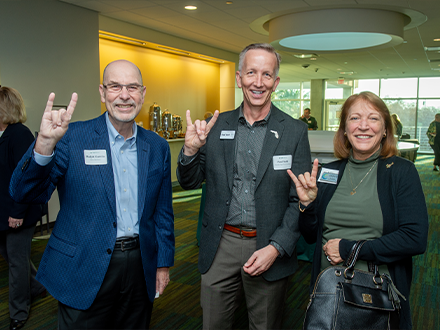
(62, 246)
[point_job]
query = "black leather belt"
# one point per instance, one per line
(127, 243)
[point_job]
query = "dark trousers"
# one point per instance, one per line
(225, 282)
(15, 247)
(436, 148)
(122, 301)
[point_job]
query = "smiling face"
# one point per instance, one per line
(365, 128)
(122, 107)
(257, 79)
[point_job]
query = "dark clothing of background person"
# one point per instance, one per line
(311, 122)
(15, 243)
(399, 129)
(434, 140)
(436, 146)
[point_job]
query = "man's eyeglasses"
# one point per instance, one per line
(117, 88)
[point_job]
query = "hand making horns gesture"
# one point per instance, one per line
(196, 133)
(306, 184)
(54, 125)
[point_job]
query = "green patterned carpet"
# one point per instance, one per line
(179, 307)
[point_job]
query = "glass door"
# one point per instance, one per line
(332, 113)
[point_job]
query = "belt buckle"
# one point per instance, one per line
(122, 246)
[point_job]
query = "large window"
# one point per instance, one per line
(414, 100)
(292, 98)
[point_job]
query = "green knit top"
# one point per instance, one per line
(357, 214)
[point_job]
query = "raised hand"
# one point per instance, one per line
(306, 184)
(196, 133)
(54, 125)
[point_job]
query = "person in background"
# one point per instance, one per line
(398, 127)
(17, 221)
(113, 243)
(374, 196)
(311, 122)
(249, 229)
(434, 139)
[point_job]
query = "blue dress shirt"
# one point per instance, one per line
(125, 171)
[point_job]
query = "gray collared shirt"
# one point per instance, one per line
(248, 147)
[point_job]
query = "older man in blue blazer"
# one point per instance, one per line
(113, 240)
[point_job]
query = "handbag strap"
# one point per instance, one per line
(351, 262)
(354, 253)
(393, 293)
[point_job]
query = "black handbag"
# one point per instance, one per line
(347, 298)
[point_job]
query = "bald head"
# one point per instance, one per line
(121, 66)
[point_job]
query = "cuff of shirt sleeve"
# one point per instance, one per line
(184, 159)
(279, 248)
(42, 160)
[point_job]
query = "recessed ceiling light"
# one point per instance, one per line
(190, 7)
(437, 39)
(305, 55)
(346, 72)
(431, 49)
(229, 2)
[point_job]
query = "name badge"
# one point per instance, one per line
(227, 135)
(328, 176)
(282, 162)
(95, 157)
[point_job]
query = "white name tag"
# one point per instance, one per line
(227, 135)
(95, 157)
(282, 162)
(328, 176)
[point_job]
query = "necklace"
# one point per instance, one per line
(349, 175)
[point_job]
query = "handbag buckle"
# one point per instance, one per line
(349, 276)
(377, 282)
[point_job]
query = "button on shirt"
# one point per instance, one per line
(248, 147)
(124, 162)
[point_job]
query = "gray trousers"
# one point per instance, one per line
(15, 247)
(225, 282)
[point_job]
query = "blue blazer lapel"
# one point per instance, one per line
(274, 134)
(100, 141)
(143, 152)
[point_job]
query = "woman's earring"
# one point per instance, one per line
(384, 134)
(345, 133)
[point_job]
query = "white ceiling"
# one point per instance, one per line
(228, 27)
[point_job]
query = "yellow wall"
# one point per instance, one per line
(174, 82)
